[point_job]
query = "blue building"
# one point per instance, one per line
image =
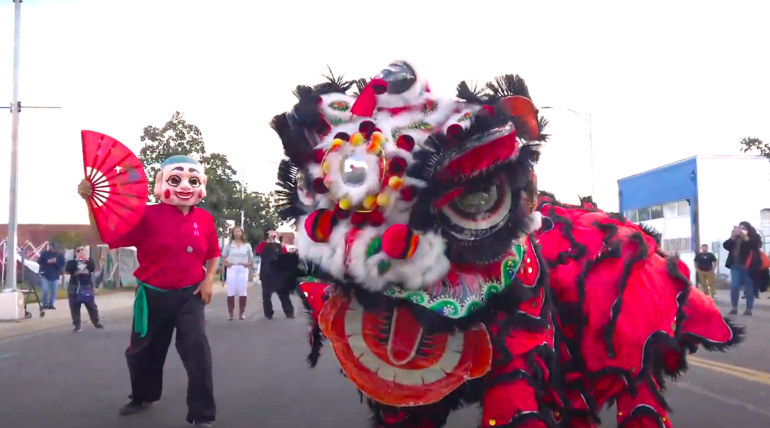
(698, 200)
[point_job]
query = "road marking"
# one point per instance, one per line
(726, 400)
(741, 372)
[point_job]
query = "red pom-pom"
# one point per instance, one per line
(488, 110)
(455, 131)
(399, 242)
(357, 218)
(318, 156)
(376, 218)
(342, 136)
(397, 166)
(405, 142)
(407, 193)
(367, 128)
(340, 213)
(319, 225)
(379, 86)
(319, 186)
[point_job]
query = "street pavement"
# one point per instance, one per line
(56, 378)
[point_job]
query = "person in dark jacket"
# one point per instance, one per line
(51, 263)
(744, 262)
(80, 269)
(271, 278)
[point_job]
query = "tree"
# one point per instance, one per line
(749, 144)
(69, 240)
(260, 216)
(178, 137)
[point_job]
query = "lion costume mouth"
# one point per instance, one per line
(391, 359)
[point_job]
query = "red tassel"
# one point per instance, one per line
(367, 99)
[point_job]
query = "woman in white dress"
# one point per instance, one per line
(238, 259)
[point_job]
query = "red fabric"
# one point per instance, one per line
(118, 184)
(261, 247)
(162, 239)
(504, 401)
(704, 320)
(366, 102)
(643, 409)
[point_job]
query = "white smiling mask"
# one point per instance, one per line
(181, 181)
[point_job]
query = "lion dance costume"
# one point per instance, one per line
(442, 277)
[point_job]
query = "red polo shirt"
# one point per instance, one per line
(171, 247)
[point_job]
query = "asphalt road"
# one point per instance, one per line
(64, 380)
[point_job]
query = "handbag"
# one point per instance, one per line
(765, 260)
(84, 294)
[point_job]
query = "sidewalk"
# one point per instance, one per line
(109, 304)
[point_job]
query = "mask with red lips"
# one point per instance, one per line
(181, 181)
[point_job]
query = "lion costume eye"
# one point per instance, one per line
(478, 211)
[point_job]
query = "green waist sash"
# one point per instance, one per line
(140, 308)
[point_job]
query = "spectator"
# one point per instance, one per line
(705, 262)
(271, 280)
(80, 290)
(51, 264)
(238, 261)
(744, 262)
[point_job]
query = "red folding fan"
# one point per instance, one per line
(118, 184)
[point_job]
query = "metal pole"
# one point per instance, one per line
(591, 139)
(243, 184)
(10, 247)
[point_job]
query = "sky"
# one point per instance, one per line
(661, 80)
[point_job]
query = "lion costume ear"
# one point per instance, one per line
(158, 190)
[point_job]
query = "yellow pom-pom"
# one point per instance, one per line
(492, 422)
(377, 137)
(345, 204)
(383, 199)
(357, 139)
(325, 167)
(337, 143)
(369, 202)
(395, 183)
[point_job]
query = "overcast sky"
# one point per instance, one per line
(662, 80)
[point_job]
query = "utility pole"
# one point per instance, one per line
(243, 209)
(13, 221)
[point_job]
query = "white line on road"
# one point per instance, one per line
(707, 393)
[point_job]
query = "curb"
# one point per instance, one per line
(24, 329)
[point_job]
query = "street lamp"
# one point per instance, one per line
(590, 138)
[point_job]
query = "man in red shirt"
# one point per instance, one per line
(177, 248)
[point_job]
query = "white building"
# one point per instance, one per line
(699, 200)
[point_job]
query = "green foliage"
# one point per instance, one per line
(223, 199)
(750, 144)
(69, 240)
(260, 216)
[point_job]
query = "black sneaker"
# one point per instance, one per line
(76, 330)
(98, 325)
(290, 316)
(51, 308)
(203, 424)
(747, 312)
(134, 407)
(270, 317)
(733, 312)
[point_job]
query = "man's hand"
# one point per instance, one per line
(84, 189)
(204, 289)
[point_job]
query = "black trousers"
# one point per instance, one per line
(268, 288)
(179, 310)
(93, 311)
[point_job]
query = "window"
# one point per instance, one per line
(632, 216)
(644, 214)
(656, 212)
(670, 210)
(684, 207)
